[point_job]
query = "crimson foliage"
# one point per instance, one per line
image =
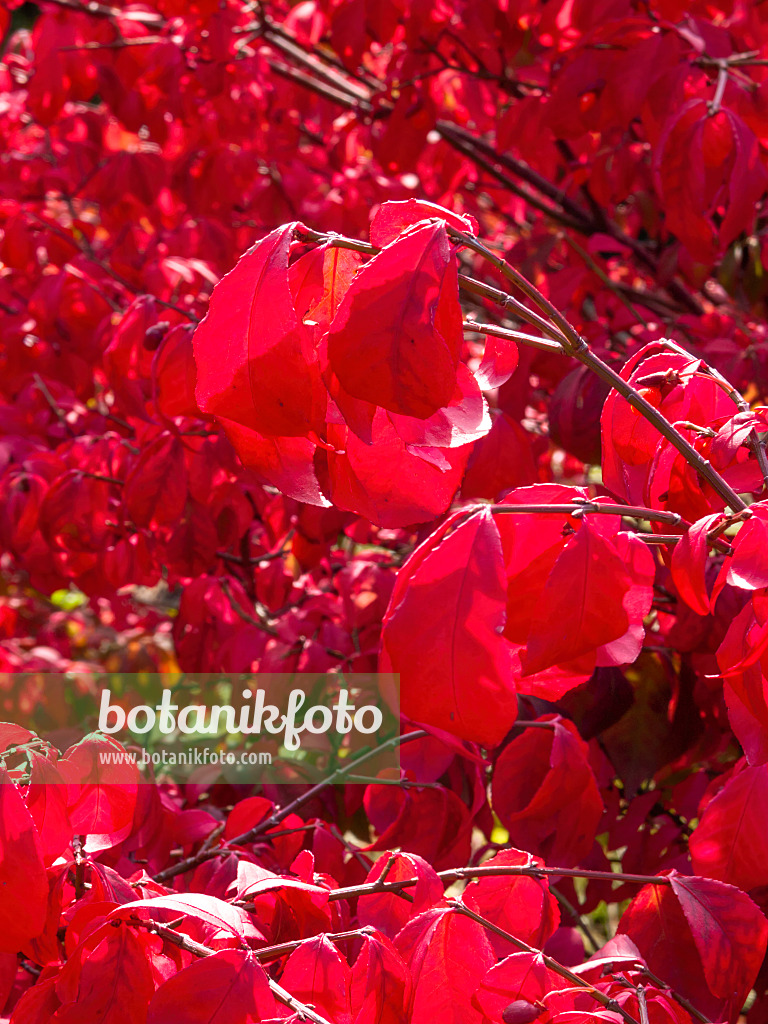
(401, 335)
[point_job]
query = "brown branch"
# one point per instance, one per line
(338, 89)
(557, 968)
(578, 348)
(328, 92)
(509, 302)
(572, 216)
(100, 476)
(578, 920)
(531, 870)
(510, 184)
(182, 941)
(54, 405)
(279, 816)
(103, 265)
(116, 44)
(583, 507)
(502, 332)
(680, 1000)
(282, 42)
(271, 556)
(241, 612)
(520, 168)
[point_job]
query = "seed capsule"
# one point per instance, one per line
(521, 1012)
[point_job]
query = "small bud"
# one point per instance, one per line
(155, 334)
(521, 1012)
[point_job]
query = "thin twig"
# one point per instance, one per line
(681, 1000)
(576, 346)
(56, 408)
(584, 506)
(182, 941)
(557, 968)
(502, 332)
(578, 920)
(279, 816)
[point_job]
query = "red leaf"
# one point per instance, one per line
(521, 905)
(746, 697)
(102, 797)
(380, 987)
(396, 338)
(574, 414)
(706, 939)
(23, 882)
(387, 911)
(319, 281)
(689, 560)
(38, 1004)
(748, 566)
(389, 483)
(746, 179)
(255, 359)
(500, 461)
(570, 622)
(463, 420)
(521, 976)
(545, 794)
(730, 842)
(433, 822)
(114, 985)
(284, 462)
(499, 362)
(230, 987)
(317, 973)
(729, 931)
(155, 490)
(531, 544)
(392, 218)
(209, 909)
(455, 671)
(173, 374)
(672, 383)
(47, 803)
(682, 179)
(448, 955)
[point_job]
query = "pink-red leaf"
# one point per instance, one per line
(730, 842)
(380, 985)
(689, 560)
(101, 796)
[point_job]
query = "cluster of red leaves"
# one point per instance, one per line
(313, 457)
